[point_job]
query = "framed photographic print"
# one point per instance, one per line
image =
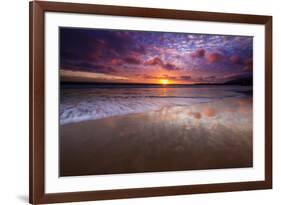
(140, 102)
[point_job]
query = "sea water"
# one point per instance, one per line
(80, 102)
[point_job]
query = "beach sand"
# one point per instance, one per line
(210, 135)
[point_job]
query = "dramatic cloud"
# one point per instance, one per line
(200, 53)
(69, 75)
(132, 60)
(154, 61)
(157, 61)
(89, 67)
(235, 59)
(170, 66)
(185, 77)
(248, 64)
(214, 57)
(178, 57)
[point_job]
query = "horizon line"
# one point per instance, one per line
(128, 83)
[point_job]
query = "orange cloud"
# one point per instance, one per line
(214, 57)
(69, 75)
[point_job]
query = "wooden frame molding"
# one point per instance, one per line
(36, 155)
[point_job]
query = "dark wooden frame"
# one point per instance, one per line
(37, 194)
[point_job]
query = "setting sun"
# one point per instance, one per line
(164, 81)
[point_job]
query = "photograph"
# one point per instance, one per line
(133, 101)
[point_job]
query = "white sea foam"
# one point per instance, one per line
(89, 104)
(106, 107)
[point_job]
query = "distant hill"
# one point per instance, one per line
(240, 81)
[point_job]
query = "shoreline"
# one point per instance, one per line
(176, 138)
(211, 100)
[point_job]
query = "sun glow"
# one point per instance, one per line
(164, 81)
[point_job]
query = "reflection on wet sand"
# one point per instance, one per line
(210, 135)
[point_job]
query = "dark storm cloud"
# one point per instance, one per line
(235, 59)
(199, 53)
(132, 60)
(98, 46)
(157, 61)
(154, 61)
(207, 58)
(89, 67)
(86, 43)
(248, 64)
(185, 77)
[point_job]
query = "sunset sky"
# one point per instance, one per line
(92, 55)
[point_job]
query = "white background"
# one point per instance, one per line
(14, 101)
(56, 184)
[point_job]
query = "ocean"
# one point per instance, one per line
(82, 102)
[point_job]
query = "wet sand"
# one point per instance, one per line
(204, 136)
